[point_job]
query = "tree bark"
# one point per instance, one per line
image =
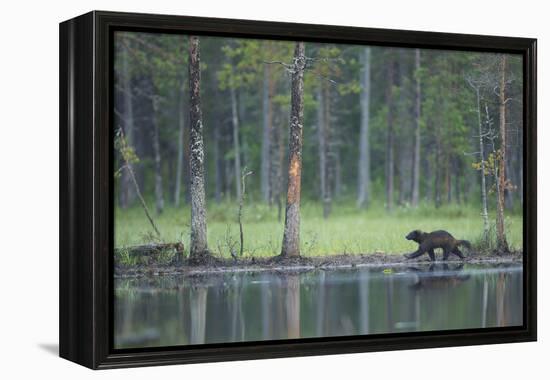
(236, 144)
(278, 153)
(415, 197)
(245, 174)
(323, 113)
(217, 164)
(159, 190)
(484, 212)
(389, 137)
(363, 191)
(438, 166)
(180, 163)
(428, 173)
(128, 194)
(291, 238)
(266, 185)
(448, 187)
(404, 135)
(502, 244)
(198, 244)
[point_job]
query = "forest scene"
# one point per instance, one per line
(338, 189)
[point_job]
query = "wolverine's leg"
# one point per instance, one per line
(446, 253)
(419, 252)
(432, 254)
(457, 252)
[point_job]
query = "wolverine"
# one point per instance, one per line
(428, 241)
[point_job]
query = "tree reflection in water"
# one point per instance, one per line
(233, 307)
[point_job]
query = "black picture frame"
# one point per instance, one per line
(86, 189)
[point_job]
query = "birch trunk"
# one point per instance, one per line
(484, 212)
(404, 136)
(291, 237)
(323, 113)
(415, 197)
(128, 194)
(266, 185)
(502, 244)
(236, 145)
(217, 164)
(363, 191)
(389, 138)
(159, 190)
(437, 166)
(278, 159)
(180, 163)
(196, 158)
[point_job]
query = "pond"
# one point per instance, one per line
(254, 306)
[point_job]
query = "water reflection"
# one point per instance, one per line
(235, 307)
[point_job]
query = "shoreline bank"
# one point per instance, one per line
(213, 265)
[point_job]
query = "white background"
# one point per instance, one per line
(29, 187)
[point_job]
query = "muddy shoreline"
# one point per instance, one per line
(214, 265)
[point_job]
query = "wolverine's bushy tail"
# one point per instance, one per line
(465, 243)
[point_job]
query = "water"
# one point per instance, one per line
(234, 307)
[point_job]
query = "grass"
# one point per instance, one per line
(347, 230)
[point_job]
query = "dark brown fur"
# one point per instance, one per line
(429, 241)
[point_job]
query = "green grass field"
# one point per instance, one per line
(347, 230)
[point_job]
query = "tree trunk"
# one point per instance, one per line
(335, 167)
(236, 145)
(196, 160)
(159, 190)
(428, 173)
(291, 237)
(404, 135)
(509, 172)
(266, 185)
(217, 164)
(448, 187)
(438, 166)
(404, 172)
(457, 175)
(502, 244)
(416, 153)
(363, 190)
(484, 212)
(389, 137)
(323, 139)
(127, 192)
(180, 163)
(277, 166)
(245, 174)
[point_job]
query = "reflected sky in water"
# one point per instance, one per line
(235, 307)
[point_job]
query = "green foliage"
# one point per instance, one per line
(129, 156)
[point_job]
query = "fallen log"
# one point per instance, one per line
(152, 251)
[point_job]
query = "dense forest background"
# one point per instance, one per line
(394, 139)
